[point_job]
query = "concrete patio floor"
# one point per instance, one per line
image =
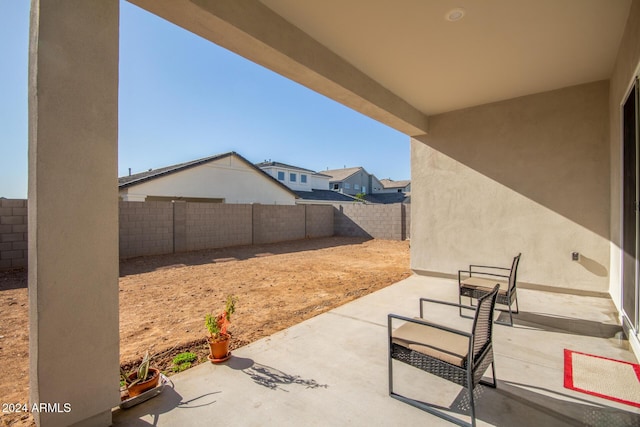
(332, 370)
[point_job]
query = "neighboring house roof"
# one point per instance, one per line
(139, 178)
(387, 198)
(334, 196)
(286, 166)
(389, 183)
(342, 174)
(325, 196)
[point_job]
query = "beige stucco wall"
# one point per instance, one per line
(229, 178)
(526, 175)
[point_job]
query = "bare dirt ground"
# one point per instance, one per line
(164, 299)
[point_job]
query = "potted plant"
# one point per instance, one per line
(140, 379)
(218, 336)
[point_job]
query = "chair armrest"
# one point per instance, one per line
(451, 304)
(486, 267)
(390, 318)
(472, 273)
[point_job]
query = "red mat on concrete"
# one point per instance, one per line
(611, 379)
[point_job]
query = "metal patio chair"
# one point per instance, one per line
(479, 280)
(458, 356)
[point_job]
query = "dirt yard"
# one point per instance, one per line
(164, 299)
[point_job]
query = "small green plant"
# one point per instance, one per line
(142, 372)
(217, 325)
(183, 361)
(360, 197)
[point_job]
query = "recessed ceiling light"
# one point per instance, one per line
(455, 14)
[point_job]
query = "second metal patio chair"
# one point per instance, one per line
(479, 279)
(457, 356)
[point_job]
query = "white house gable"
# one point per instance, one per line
(227, 180)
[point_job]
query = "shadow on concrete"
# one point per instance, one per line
(565, 407)
(275, 379)
(270, 377)
(167, 401)
(208, 256)
(513, 404)
(563, 324)
(133, 423)
(524, 405)
(240, 363)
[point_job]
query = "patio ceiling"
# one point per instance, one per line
(399, 62)
(501, 49)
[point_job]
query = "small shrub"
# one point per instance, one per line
(217, 325)
(183, 361)
(181, 367)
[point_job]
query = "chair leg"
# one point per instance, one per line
(493, 372)
(389, 354)
(472, 407)
(389, 346)
(390, 375)
(511, 313)
(494, 382)
(510, 310)
(509, 323)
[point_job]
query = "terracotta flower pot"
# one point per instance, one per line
(219, 348)
(142, 386)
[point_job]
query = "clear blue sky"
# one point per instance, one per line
(183, 98)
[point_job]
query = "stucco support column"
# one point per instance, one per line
(73, 210)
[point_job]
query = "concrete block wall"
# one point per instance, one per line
(278, 223)
(13, 233)
(319, 221)
(407, 220)
(156, 228)
(217, 225)
(377, 221)
(146, 228)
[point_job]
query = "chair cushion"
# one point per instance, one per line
(442, 345)
(485, 284)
